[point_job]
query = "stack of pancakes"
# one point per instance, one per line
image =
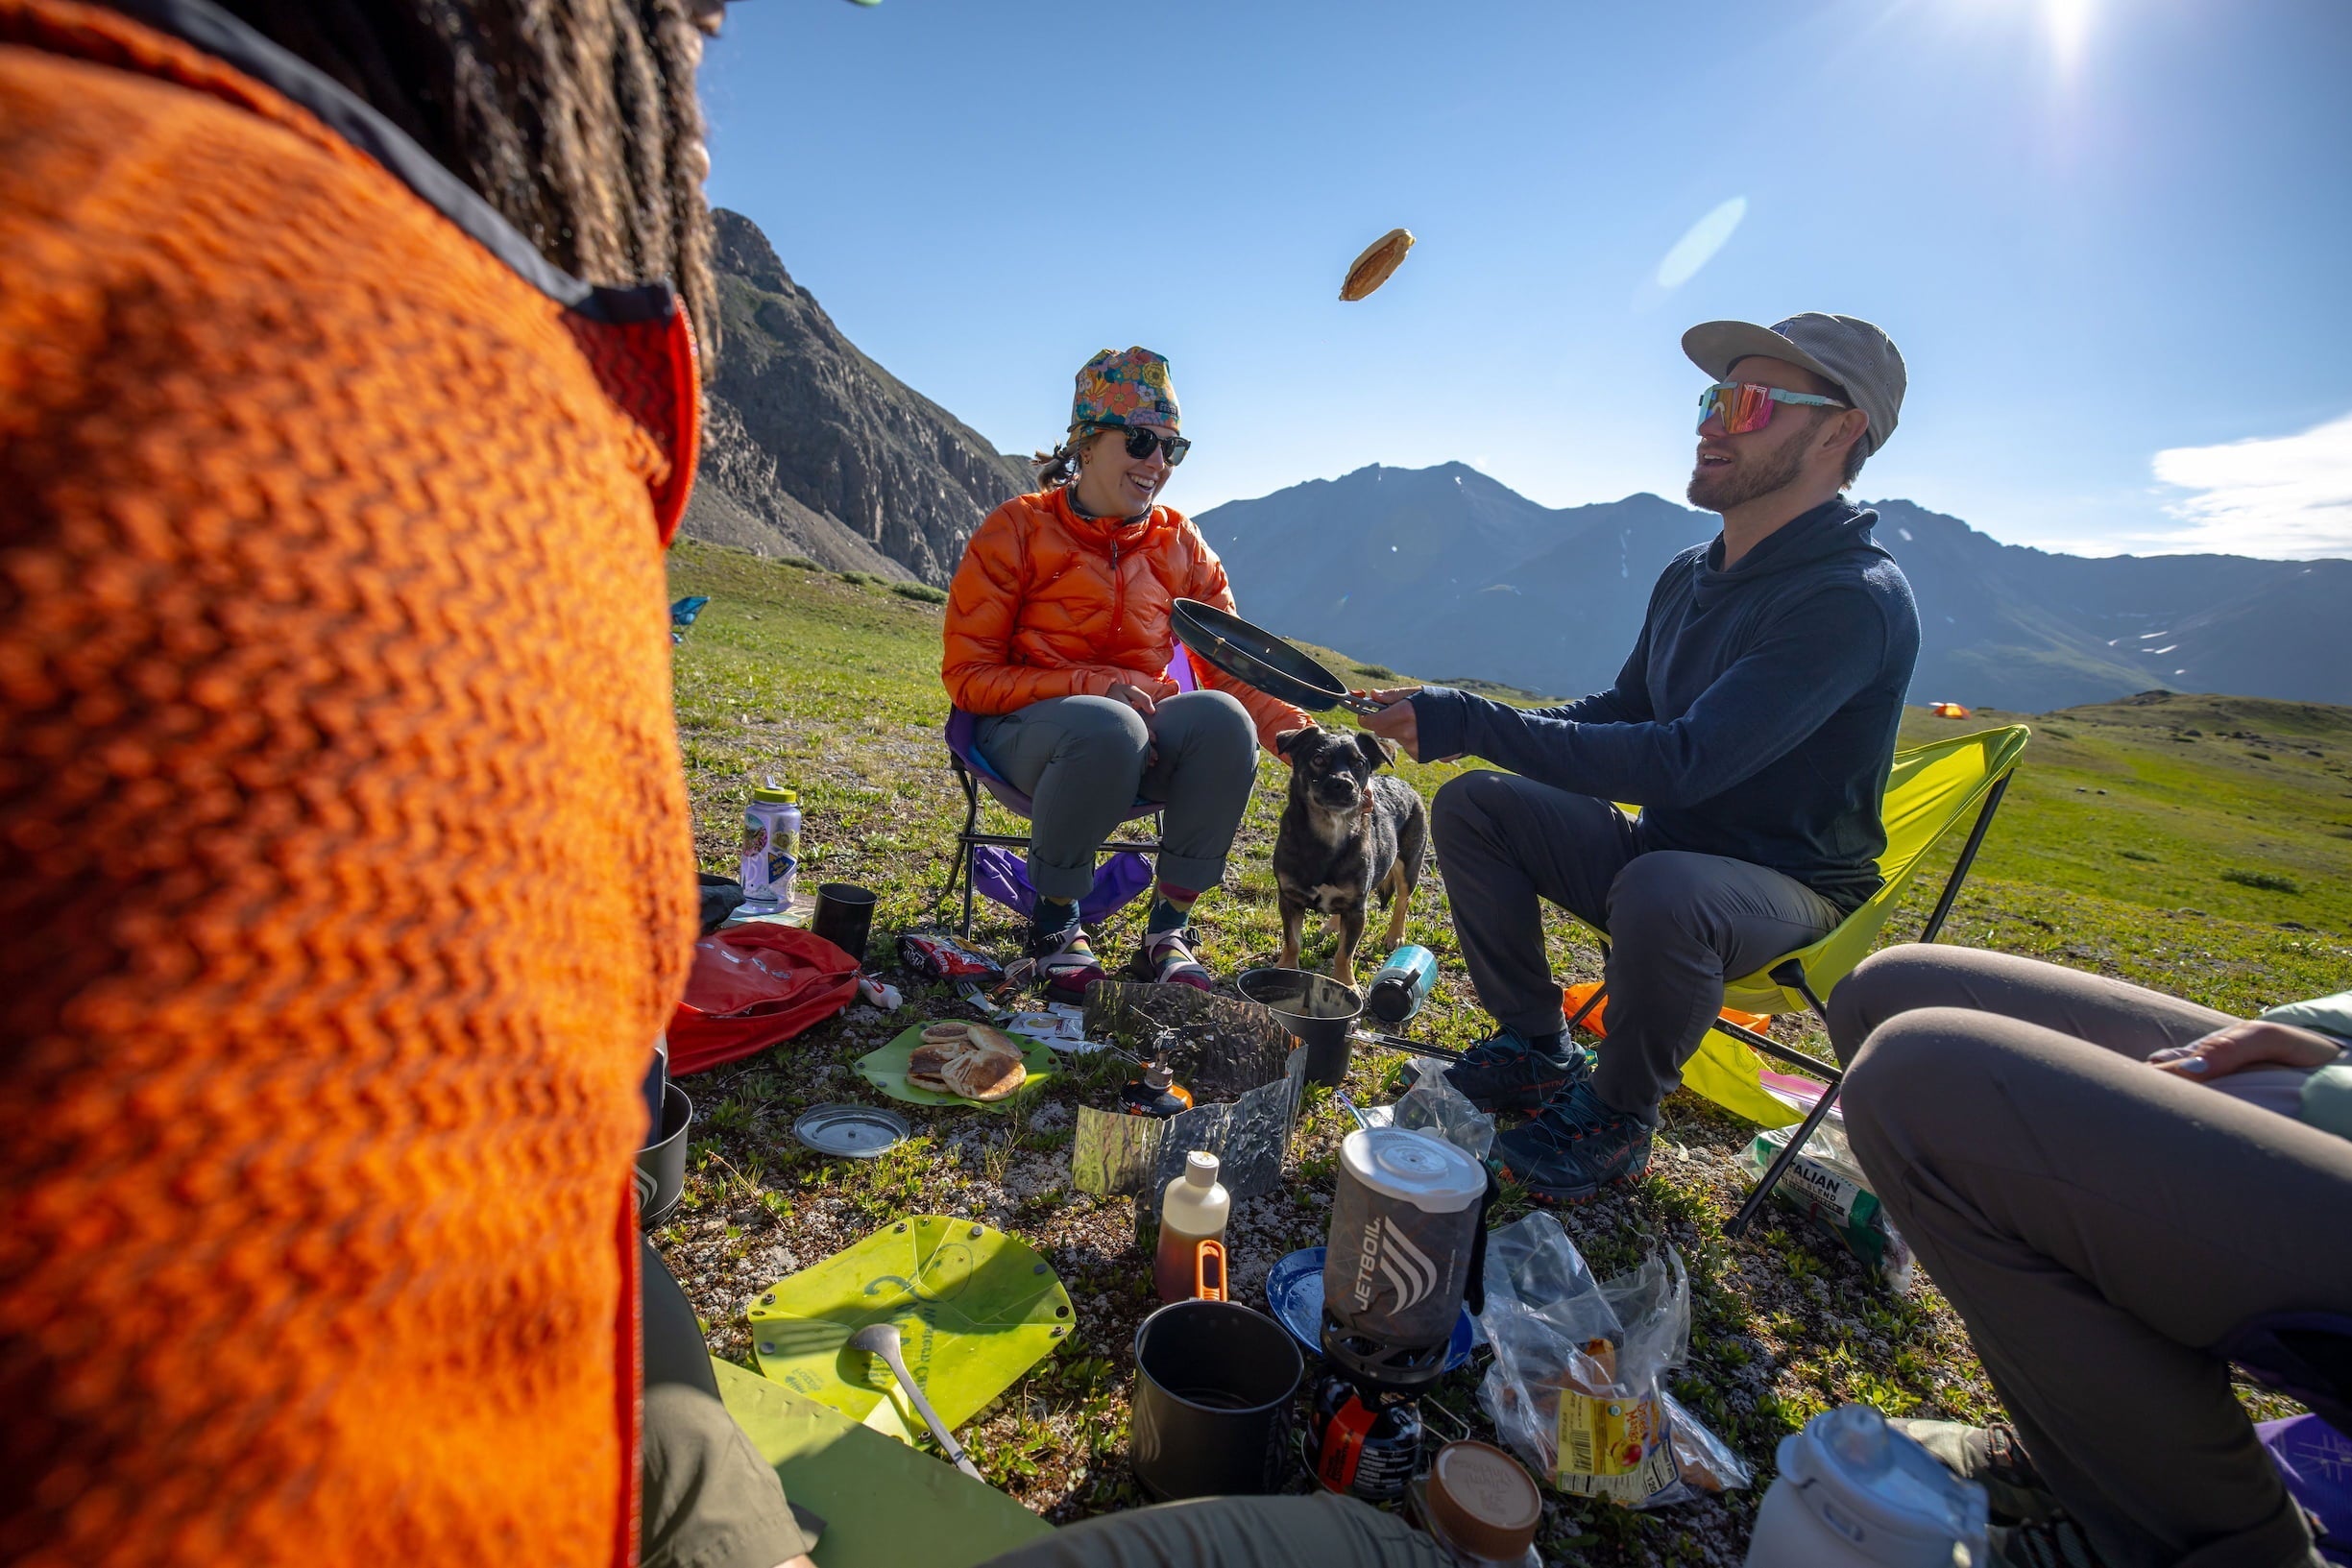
(971, 1060)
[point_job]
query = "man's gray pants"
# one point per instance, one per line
(2099, 1227)
(1679, 925)
(1086, 761)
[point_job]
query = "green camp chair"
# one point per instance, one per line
(1929, 789)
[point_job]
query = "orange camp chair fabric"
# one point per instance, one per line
(344, 860)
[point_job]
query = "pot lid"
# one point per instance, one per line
(1484, 1500)
(1413, 1168)
(856, 1132)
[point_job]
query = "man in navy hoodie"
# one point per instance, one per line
(1753, 725)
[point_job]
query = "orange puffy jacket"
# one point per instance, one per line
(1050, 604)
(346, 866)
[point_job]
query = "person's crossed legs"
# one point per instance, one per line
(2099, 1227)
(1679, 925)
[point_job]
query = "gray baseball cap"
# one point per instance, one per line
(1846, 350)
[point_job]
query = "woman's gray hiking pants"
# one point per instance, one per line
(1086, 761)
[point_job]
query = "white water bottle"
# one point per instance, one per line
(771, 849)
(1855, 1493)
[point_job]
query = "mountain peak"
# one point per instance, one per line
(739, 248)
(1447, 568)
(814, 450)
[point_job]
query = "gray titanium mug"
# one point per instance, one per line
(1405, 1228)
(1214, 1385)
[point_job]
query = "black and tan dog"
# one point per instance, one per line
(1348, 830)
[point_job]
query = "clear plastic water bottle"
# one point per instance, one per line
(771, 849)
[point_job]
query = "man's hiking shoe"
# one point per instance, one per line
(1573, 1149)
(1062, 962)
(1993, 1458)
(1167, 959)
(1503, 1072)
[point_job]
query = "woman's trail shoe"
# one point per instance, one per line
(1994, 1458)
(1573, 1149)
(1167, 959)
(1062, 961)
(1504, 1073)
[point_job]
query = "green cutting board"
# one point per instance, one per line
(885, 1505)
(885, 1068)
(975, 1309)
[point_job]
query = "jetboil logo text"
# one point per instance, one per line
(1392, 1256)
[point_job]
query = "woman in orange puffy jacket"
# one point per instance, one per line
(1058, 639)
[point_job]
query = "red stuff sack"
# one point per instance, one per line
(752, 986)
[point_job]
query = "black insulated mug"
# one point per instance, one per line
(844, 916)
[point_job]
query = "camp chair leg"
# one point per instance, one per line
(1959, 869)
(1781, 1163)
(968, 837)
(1791, 975)
(1592, 1002)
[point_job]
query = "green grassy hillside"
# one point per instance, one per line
(2200, 843)
(832, 685)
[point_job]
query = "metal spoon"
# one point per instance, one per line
(882, 1339)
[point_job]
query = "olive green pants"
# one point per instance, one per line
(710, 1500)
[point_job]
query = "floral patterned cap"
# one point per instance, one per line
(1130, 388)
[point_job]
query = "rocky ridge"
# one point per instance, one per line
(810, 448)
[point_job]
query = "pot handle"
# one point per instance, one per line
(1209, 1271)
(1474, 1289)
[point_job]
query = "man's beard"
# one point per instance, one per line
(1738, 483)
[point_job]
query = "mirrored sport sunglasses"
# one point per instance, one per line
(1746, 406)
(1140, 442)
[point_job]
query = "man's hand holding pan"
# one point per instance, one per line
(1396, 721)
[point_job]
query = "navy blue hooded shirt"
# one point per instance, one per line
(1756, 718)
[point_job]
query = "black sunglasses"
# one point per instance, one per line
(1140, 442)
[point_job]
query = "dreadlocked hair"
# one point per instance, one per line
(575, 119)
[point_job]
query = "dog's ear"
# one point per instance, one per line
(1377, 749)
(1287, 741)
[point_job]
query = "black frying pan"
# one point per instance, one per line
(1262, 659)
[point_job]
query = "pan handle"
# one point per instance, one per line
(1363, 705)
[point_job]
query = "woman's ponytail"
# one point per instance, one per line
(1058, 467)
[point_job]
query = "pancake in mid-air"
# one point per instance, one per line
(1383, 256)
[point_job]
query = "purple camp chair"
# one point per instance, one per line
(2307, 1355)
(974, 774)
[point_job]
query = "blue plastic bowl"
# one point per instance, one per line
(1295, 1291)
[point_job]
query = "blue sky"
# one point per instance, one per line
(2113, 238)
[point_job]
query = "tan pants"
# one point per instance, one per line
(2099, 1225)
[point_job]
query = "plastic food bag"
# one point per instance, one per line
(1576, 1387)
(1824, 1184)
(1434, 1105)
